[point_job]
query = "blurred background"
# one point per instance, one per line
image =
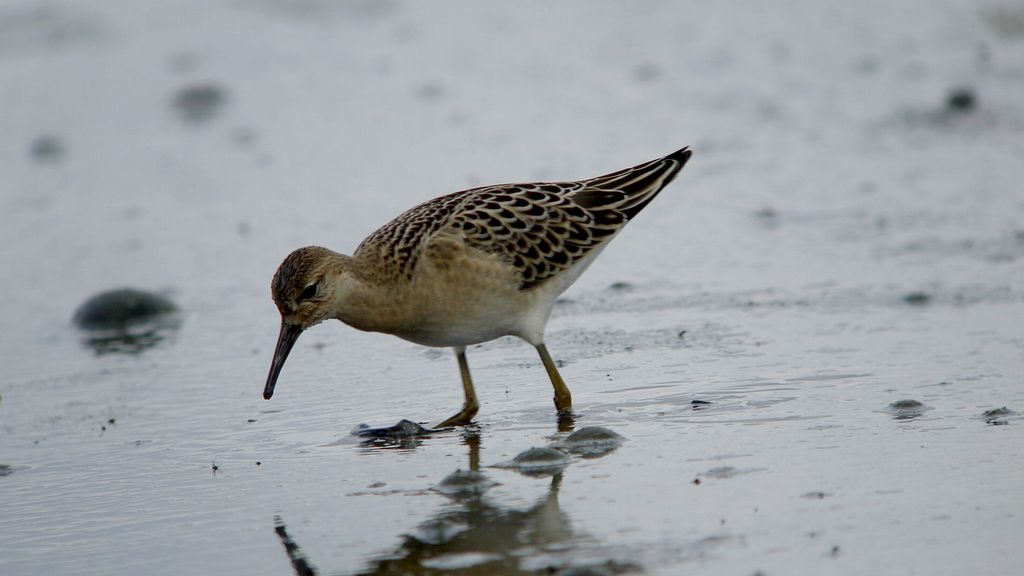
(848, 234)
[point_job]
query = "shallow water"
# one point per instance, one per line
(842, 242)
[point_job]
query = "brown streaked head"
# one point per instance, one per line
(301, 292)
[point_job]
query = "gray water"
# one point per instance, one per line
(798, 341)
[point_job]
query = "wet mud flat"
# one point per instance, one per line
(805, 358)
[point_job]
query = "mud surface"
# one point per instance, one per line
(805, 357)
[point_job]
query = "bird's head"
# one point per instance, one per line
(305, 291)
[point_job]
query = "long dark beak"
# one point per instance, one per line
(285, 340)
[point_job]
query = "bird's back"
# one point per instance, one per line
(539, 229)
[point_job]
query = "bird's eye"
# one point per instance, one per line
(308, 292)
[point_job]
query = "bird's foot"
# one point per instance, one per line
(566, 420)
(463, 418)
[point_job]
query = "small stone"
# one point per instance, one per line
(998, 416)
(47, 149)
(199, 103)
(961, 100)
(117, 309)
(907, 409)
(404, 429)
(917, 298)
(539, 456)
(542, 461)
(592, 441)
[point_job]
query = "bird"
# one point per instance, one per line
(467, 267)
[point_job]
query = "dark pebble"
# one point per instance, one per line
(118, 309)
(917, 298)
(998, 416)
(543, 461)
(404, 429)
(199, 103)
(47, 149)
(592, 441)
(907, 409)
(543, 456)
(961, 99)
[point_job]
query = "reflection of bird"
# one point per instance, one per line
(505, 541)
(467, 267)
(501, 538)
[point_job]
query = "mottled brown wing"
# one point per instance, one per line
(397, 245)
(544, 228)
(541, 228)
(535, 227)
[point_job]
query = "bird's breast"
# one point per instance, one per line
(461, 299)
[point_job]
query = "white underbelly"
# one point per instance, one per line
(469, 310)
(456, 332)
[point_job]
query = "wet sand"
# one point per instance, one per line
(811, 344)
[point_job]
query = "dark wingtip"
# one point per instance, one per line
(679, 158)
(681, 155)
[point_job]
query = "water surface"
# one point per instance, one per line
(801, 343)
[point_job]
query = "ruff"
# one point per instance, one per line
(468, 267)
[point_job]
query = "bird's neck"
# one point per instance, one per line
(363, 300)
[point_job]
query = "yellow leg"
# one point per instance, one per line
(470, 407)
(563, 398)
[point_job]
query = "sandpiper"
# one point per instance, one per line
(468, 267)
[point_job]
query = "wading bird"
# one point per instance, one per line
(468, 267)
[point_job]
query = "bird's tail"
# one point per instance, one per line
(628, 191)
